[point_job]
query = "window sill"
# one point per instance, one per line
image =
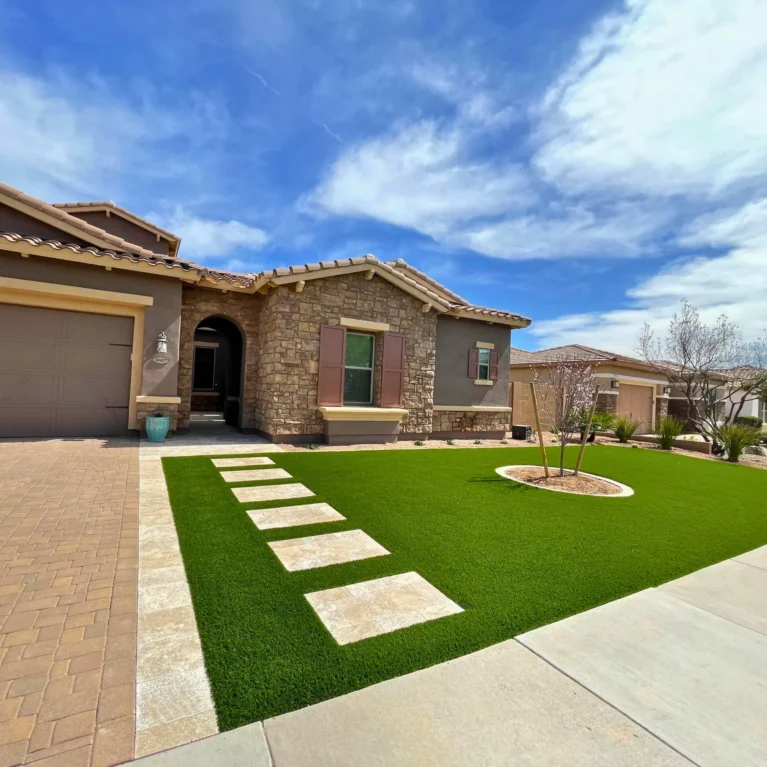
(482, 382)
(363, 413)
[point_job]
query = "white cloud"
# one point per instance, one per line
(204, 238)
(420, 178)
(663, 98)
(734, 284)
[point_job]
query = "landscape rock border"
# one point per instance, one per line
(625, 490)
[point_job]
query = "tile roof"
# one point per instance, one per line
(398, 271)
(571, 353)
(152, 259)
(108, 204)
(78, 223)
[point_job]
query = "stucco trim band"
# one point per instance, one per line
(483, 382)
(484, 345)
(363, 413)
(472, 408)
(151, 399)
(373, 327)
(90, 294)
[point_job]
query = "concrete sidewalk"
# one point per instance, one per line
(669, 676)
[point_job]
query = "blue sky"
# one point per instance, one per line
(588, 163)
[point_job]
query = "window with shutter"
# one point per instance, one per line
(473, 363)
(493, 366)
(331, 365)
(393, 370)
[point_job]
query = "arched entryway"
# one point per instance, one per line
(217, 371)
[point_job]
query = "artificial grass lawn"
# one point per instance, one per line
(512, 556)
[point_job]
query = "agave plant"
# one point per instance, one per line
(668, 429)
(735, 438)
(625, 428)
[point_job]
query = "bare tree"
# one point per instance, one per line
(569, 387)
(709, 365)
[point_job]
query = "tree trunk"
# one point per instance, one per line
(585, 434)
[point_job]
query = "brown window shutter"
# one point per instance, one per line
(393, 370)
(330, 390)
(493, 366)
(473, 363)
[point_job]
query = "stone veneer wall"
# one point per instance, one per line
(198, 304)
(451, 421)
(661, 408)
(286, 392)
(143, 409)
(607, 403)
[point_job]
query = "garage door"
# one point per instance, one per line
(63, 374)
(636, 402)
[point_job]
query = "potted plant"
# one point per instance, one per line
(157, 426)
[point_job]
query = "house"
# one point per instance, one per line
(630, 386)
(746, 381)
(103, 323)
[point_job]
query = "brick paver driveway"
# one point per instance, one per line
(68, 570)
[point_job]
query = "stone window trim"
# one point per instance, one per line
(484, 345)
(364, 325)
(362, 413)
(483, 382)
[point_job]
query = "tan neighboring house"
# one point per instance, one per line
(630, 387)
(102, 323)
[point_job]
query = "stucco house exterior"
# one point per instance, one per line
(630, 386)
(103, 323)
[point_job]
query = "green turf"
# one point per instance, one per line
(512, 556)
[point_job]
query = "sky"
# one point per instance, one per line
(588, 164)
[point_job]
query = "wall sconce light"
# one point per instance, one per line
(614, 384)
(162, 344)
(667, 390)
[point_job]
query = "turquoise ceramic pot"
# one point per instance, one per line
(157, 427)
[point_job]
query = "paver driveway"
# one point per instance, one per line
(68, 583)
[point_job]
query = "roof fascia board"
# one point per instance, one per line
(489, 319)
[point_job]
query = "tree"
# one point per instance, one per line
(570, 388)
(711, 366)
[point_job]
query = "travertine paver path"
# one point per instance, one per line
(68, 529)
(350, 613)
(173, 700)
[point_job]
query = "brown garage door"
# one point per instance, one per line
(636, 402)
(63, 374)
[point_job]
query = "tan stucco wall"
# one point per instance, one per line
(162, 316)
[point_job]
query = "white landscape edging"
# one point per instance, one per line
(625, 490)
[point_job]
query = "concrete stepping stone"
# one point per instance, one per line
(293, 516)
(329, 549)
(271, 493)
(226, 463)
(256, 475)
(371, 608)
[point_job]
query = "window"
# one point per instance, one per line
(483, 367)
(204, 368)
(763, 410)
(358, 369)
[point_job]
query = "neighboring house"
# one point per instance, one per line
(102, 323)
(630, 386)
(753, 406)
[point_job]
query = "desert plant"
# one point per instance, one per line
(477, 441)
(312, 446)
(735, 438)
(625, 428)
(418, 443)
(749, 420)
(451, 442)
(668, 429)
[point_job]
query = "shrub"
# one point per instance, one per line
(602, 422)
(668, 429)
(477, 441)
(313, 446)
(625, 428)
(504, 442)
(418, 443)
(735, 438)
(451, 442)
(749, 420)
